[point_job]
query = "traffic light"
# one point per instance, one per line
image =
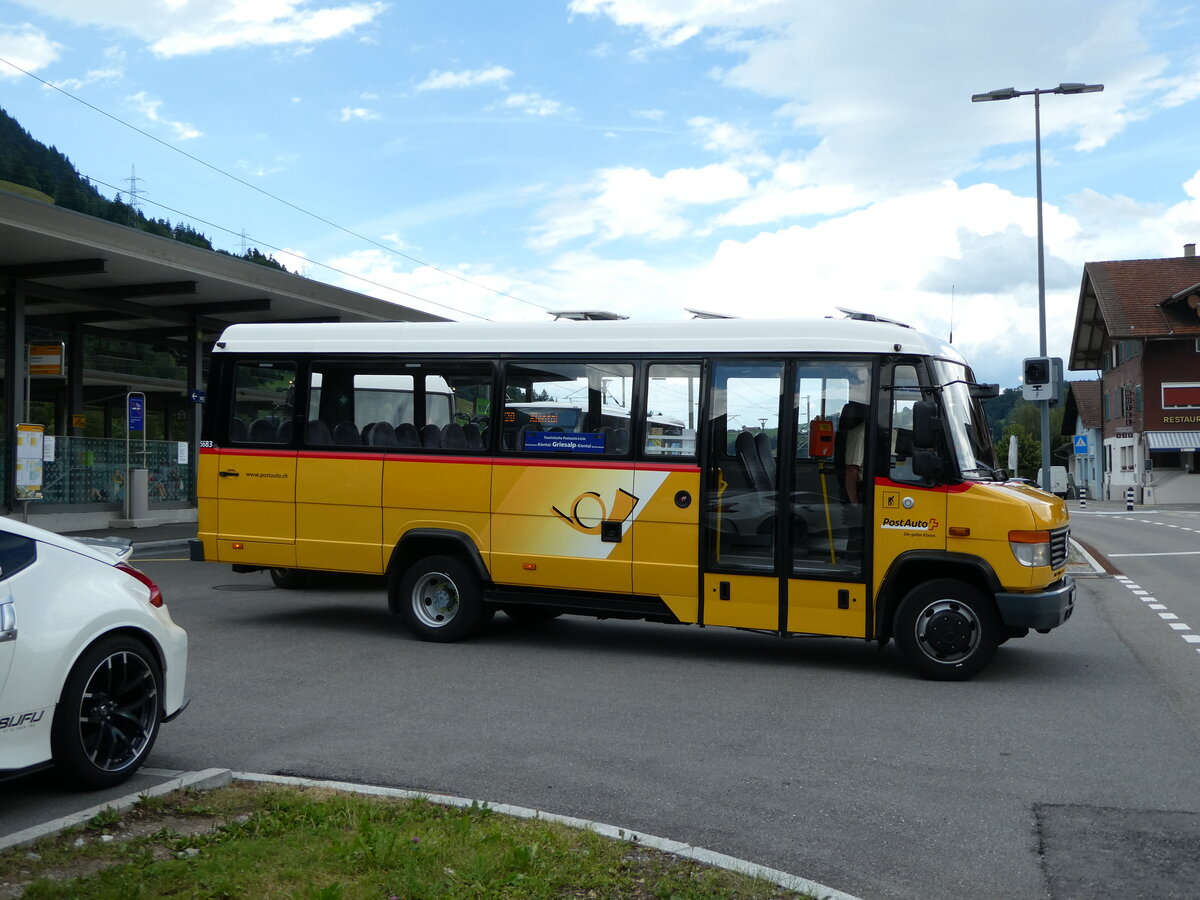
(1041, 377)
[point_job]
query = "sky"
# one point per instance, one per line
(757, 158)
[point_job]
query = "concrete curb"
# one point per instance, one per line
(1097, 569)
(209, 779)
(200, 781)
(688, 851)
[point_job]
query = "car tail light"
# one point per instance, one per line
(156, 597)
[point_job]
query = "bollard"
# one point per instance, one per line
(1083, 500)
(1128, 499)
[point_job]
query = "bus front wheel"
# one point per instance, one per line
(441, 599)
(947, 630)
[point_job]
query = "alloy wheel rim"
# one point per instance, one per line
(118, 711)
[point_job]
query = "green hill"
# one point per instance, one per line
(31, 169)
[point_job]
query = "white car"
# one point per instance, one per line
(90, 661)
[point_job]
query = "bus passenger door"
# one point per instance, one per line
(255, 472)
(740, 496)
(786, 504)
(830, 498)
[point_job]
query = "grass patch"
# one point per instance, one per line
(251, 840)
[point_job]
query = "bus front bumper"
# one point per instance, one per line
(1041, 611)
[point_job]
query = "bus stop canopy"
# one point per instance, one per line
(73, 268)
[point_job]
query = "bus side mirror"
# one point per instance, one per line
(926, 463)
(926, 425)
(984, 391)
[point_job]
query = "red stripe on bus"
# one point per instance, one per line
(575, 463)
(936, 489)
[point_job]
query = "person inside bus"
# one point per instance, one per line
(849, 445)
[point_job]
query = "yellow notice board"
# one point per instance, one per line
(29, 461)
(46, 360)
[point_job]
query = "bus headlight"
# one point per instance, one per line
(1031, 548)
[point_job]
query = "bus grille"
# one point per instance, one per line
(1059, 541)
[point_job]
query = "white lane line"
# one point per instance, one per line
(1176, 553)
(1172, 620)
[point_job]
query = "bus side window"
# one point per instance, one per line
(567, 407)
(672, 401)
(906, 391)
(262, 402)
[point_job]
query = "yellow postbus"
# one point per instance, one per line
(827, 477)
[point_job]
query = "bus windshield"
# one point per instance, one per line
(966, 423)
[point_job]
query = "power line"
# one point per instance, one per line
(245, 237)
(274, 197)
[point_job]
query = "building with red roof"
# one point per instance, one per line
(1138, 325)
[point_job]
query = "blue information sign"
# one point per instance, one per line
(558, 441)
(137, 413)
(1081, 443)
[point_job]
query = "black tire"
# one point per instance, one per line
(947, 630)
(441, 599)
(290, 579)
(1008, 634)
(528, 614)
(108, 715)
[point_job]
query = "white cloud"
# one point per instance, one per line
(879, 95)
(440, 81)
(629, 202)
(671, 22)
(114, 71)
(149, 107)
(533, 104)
(902, 257)
(27, 47)
(182, 28)
(358, 113)
(387, 276)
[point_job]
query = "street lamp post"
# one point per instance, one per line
(1009, 94)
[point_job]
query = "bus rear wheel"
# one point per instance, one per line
(947, 630)
(290, 579)
(441, 599)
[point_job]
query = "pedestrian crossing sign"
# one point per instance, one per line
(1081, 443)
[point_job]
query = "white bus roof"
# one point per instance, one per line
(685, 336)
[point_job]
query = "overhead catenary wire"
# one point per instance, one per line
(317, 216)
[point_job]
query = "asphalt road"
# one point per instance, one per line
(1155, 554)
(1065, 770)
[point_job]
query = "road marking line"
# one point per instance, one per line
(1152, 603)
(1176, 553)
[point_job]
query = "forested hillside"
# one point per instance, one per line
(31, 164)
